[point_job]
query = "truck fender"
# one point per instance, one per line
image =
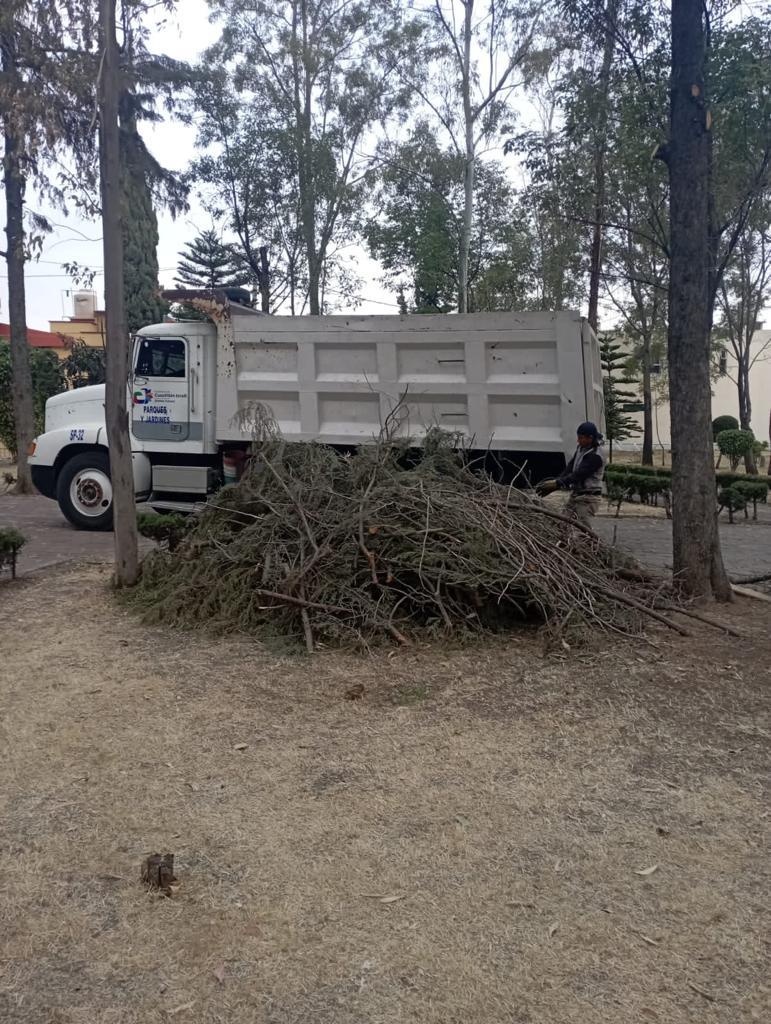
(56, 447)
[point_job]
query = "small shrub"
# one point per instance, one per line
(735, 444)
(752, 491)
(11, 543)
(163, 527)
(732, 499)
(721, 423)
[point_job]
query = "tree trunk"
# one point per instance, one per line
(124, 502)
(697, 560)
(468, 166)
(647, 450)
(21, 375)
(595, 261)
(304, 145)
(745, 406)
(264, 280)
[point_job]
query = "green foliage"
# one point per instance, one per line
(207, 262)
(11, 540)
(618, 425)
(11, 543)
(735, 444)
(732, 499)
(752, 491)
(47, 380)
(166, 528)
(721, 423)
(144, 305)
(727, 479)
(85, 364)
(416, 234)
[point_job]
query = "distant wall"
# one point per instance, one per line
(725, 398)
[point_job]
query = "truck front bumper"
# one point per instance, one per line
(44, 480)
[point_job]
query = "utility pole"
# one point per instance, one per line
(117, 368)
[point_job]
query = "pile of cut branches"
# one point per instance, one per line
(346, 549)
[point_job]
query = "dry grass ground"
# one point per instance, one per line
(513, 803)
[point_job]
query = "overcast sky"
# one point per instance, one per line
(185, 35)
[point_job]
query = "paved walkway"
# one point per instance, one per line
(51, 540)
(746, 544)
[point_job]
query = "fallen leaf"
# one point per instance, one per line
(701, 992)
(553, 928)
(662, 831)
(194, 786)
(648, 871)
(240, 746)
(219, 974)
(648, 939)
(180, 1009)
(384, 899)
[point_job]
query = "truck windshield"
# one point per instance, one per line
(160, 357)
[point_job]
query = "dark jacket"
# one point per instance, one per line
(583, 474)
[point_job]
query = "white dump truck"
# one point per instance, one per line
(513, 385)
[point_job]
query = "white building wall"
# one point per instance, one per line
(725, 397)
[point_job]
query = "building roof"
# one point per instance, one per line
(35, 339)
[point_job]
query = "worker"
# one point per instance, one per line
(582, 476)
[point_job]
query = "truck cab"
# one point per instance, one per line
(171, 400)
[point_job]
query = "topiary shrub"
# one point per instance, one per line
(165, 528)
(733, 500)
(752, 491)
(721, 423)
(735, 444)
(11, 543)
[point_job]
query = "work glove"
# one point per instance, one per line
(546, 487)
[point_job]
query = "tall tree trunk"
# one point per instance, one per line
(124, 501)
(468, 165)
(264, 280)
(697, 560)
(304, 145)
(21, 375)
(745, 405)
(647, 450)
(595, 262)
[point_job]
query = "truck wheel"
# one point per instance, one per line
(84, 491)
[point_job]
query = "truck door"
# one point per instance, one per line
(160, 399)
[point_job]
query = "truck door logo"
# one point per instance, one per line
(142, 396)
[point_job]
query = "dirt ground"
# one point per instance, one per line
(486, 836)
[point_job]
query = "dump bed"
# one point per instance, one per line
(507, 381)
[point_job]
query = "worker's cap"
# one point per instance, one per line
(588, 429)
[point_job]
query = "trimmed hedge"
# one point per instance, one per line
(727, 479)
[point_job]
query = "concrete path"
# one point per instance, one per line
(746, 544)
(51, 540)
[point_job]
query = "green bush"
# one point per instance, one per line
(752, 491)
(164, 527)
(11, 543)
(721, 423)
(728, 479)
(47, 380)
(735, 444)
(732, 499)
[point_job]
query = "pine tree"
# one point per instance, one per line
(207, 263)
(140, 238)
(618, 400)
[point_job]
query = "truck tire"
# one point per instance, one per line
(84, 491)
